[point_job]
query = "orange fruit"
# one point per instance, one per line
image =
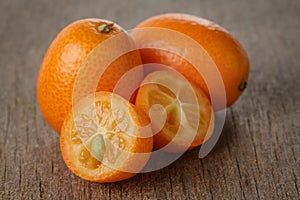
(102, 140)
(78, 45)
(181, 115)
(226, 52)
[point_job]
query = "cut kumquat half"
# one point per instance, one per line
(105, 138)
(181, 115)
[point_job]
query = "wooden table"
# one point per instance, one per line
(257, 156)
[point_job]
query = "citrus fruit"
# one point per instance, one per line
(226, 52)
(181, 115)
(105, 138)
(76, 45)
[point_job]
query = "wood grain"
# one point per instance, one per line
(257, 156)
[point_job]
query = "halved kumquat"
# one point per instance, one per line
(106, 138)
(181, 115)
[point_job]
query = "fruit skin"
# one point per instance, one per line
(105, 174)
(166, 136)
(227, 53)
(63, 59)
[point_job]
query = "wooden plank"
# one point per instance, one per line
(257, 156)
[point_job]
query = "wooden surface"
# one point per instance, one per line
(257, 156)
